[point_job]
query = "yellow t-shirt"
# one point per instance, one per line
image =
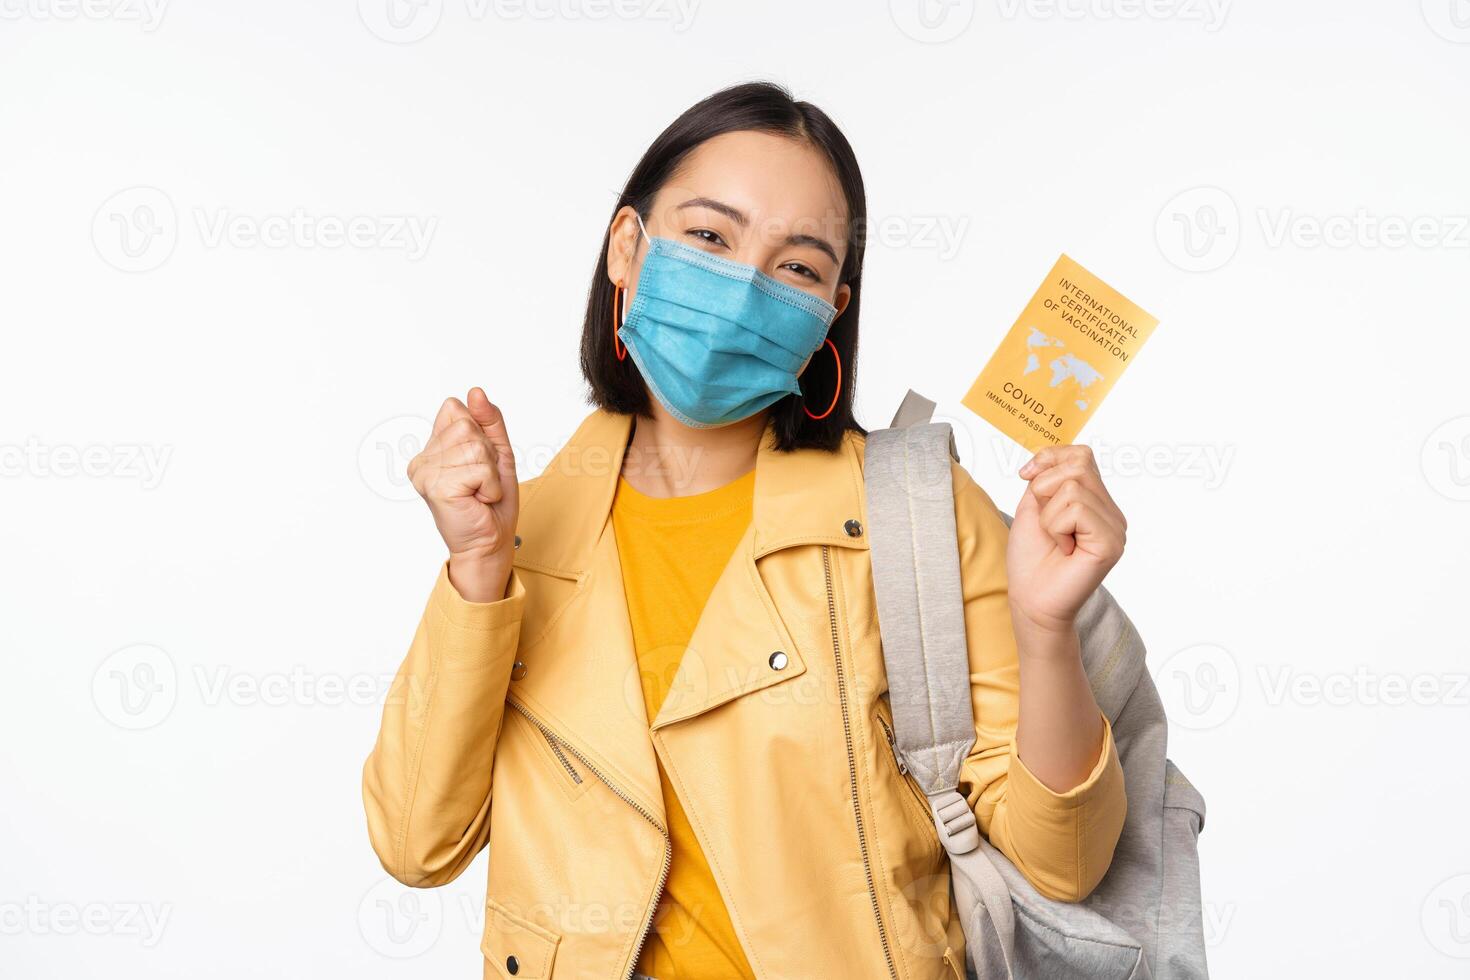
(673, 550)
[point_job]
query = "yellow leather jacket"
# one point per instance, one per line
(520, 723)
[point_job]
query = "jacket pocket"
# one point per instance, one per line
(562, 768)
(514, 947)
(917, 804)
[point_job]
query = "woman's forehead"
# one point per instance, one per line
(766, 178)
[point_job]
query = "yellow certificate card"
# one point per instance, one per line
(1060, 360)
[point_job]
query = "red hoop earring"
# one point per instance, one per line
(828, 412)
(618, 348)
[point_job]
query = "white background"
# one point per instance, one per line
(210, 564)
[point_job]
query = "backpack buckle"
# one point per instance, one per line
(955, 821)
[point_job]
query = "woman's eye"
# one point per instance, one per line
(713, 237)
(806, 272)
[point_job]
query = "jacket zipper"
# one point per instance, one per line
(926, 818)
(663, 874)
(561, 756)
(852, 779)
(903, 770)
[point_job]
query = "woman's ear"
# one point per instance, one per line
(622, 245)
(844, 295)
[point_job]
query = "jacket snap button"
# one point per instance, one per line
(854, 529)
(778, 661)
(512, 965)
(518, 670)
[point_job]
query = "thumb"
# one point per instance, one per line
(1028, 504)
(488, 417)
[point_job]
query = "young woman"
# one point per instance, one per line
(650, 679)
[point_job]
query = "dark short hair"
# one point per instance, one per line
(760, 107)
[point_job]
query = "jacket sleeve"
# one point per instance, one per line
(1062, 842)
(426, 785)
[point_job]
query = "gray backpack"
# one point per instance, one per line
(1143, 920)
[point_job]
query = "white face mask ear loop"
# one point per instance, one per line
(646, 235)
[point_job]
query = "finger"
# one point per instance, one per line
(468, 453)
(491, 488)
(1027, 504)
(1030, 505)
(1055, 455)
(1079, 492)
(459, 431)
(1050, 480)
(452, 409)
(487, 415)
(1085, 526)
(1047, 520)
(478, 480)
(419, 474)
(481, 479)
(1049, 483)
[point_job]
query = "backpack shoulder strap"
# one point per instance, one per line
(916, 578)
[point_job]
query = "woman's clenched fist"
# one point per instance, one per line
(1067, 534)
(467, 475)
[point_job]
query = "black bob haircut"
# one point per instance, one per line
(759, 107)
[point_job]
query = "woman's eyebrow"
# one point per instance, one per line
(821, 244)
(734, 214)
(739, 217)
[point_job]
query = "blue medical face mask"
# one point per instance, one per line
(715, 340)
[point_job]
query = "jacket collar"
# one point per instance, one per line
(800, 497)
